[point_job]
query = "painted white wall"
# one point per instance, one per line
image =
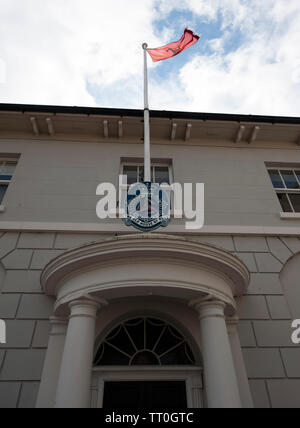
(56, 181)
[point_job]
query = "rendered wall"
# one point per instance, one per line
(57, 181)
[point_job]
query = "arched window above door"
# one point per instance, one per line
(144, 342)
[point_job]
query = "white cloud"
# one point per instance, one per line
(262, 76)
(53, 50)
(2, 71)
(218, 45)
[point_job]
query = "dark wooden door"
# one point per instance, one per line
(145, 395)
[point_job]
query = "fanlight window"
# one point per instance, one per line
(142, 342)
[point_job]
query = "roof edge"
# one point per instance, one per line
(33, 108)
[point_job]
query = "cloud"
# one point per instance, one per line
(260, 76)
(2, 71)
(54, 49)
(88, 52)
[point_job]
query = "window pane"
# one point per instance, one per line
(298, 175)
(276, 179)
(109, 356)
(166, 347)
(283, 199)
(153, 332)
(7, 170)
(162, 175)
(145, 358)
(167, 342)
(136, 330)
(122, 342)
(177, 356)
(3, 189)
(131, 172)
(290, 179)
(295, 200)
(141, 174)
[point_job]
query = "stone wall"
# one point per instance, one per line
(271, 359)
(26, 311)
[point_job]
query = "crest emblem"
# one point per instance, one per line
(148, 207)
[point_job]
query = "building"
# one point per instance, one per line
(98, 314)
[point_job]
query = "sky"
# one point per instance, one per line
(88, 53)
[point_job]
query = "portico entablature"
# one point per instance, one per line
(146, 265)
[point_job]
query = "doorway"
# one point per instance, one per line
(145, 395)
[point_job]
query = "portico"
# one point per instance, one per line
(190, 285)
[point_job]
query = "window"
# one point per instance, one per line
(7, 169)
(160, 173)
(144, 342)
(286, 182)
(133, 169)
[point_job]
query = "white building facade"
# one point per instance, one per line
(101, 315)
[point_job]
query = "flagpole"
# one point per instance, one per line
(147, 150)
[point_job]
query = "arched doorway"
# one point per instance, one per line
(95, 284)
(145, 363)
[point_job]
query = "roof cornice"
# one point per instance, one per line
(30, 108)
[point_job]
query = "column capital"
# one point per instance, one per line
(232, 321)
(232, 325)
(83, 303)
(208, 306)
(86, 306)
(58, 326)
(88, 301)
(58, 321)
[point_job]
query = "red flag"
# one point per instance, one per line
(172, 49)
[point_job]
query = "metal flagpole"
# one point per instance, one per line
(147, 151)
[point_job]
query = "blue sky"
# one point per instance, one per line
(208, 30)
(88, 52)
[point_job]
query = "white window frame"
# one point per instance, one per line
(3, 162)
(192, 376)
(153, 166)
(156, 163)
(285, 190)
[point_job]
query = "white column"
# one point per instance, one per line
(74, 385)
(245, 392)
(47, 391)
(221, 384)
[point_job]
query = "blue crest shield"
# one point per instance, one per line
(148, 207)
